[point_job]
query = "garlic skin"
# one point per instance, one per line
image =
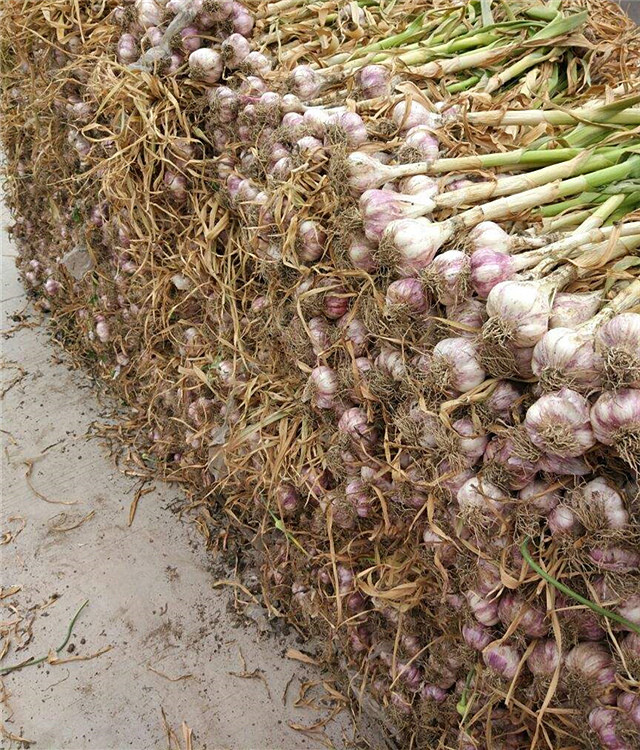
(523, 307)
(411, 241)
(455, 363)
(563, 521)
(421, 144)
(448, 275)
(470, 313)
(489, 234)
(567, 356)
(484, 610)
(310, 241)
(477, 636)
(531, 620)
(558, 424)
(618, 343)
(305, 82)
(571, 310)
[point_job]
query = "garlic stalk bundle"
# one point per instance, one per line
(618, 344)
(571, 310)
(455, 364)
(558, 424)
(615, 419)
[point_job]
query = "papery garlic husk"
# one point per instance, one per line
(558, 424)
(618, 343)
(567, 357)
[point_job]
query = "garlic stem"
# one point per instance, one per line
(498, 118)
(602, 213)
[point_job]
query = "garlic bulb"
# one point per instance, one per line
(558, 423)
(564, 356)
(205, 64)
(618, 343)
(615, 419)
(522, 309)
(406, 295)
(571, 310)
(544, 659)
(455, 363)
(323, 382)
(503, 659)
(407, 243)
(373, 81)
(479, 495)
(409, 114)
(600, 496)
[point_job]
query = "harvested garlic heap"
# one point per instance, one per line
(398, 332)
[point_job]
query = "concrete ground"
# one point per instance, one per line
(155, 650)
